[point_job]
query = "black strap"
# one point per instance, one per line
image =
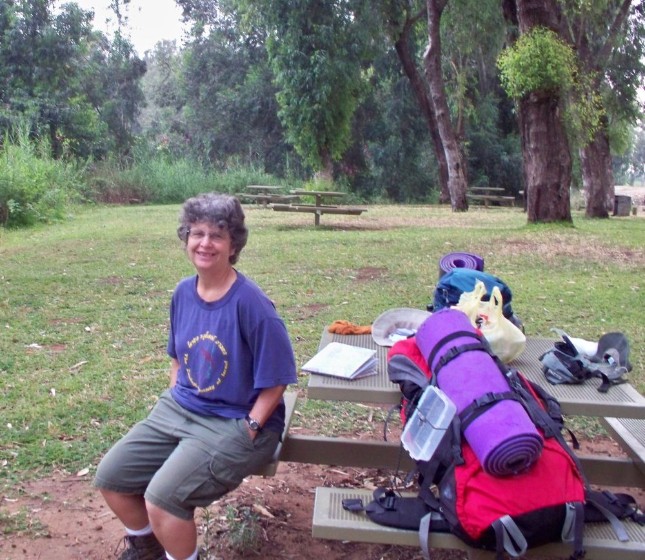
(439, 345)
(395, 408)
(482, 404)
(454, 352)
(607, 382)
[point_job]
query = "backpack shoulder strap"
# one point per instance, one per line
(603, 505)
(509, 538)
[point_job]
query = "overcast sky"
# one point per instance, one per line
(150, 21)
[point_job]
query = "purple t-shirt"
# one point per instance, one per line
(228, 350)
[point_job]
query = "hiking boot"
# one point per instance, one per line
(141, 548)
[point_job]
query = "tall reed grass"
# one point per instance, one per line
(34, 187)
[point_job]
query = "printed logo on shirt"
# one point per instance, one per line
(206, 364)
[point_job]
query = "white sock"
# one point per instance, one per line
(193, 556)
(140, 532)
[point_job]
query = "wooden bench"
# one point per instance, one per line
(630, 434)
(331, 521)
(347, 452)
(268, 198)
(290, 399)
(486, 199)
(318, 210)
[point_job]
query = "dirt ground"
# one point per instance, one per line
(64, 518)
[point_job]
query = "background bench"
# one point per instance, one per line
(318, 210)
(630, 434)
(487, 199)
(267, 198)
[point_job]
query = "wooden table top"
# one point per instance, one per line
(622, 401)
(265, 188)
(302, 192)
(487, 189)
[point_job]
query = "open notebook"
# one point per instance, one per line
(343, 360)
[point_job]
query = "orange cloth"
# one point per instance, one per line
(345, 327)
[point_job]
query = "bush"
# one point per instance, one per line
(538, 61)
(33, 186)
(162, 180)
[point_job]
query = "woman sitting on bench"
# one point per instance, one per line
(221, 418)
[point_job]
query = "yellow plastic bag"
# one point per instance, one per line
(471, 302)
(505, 339)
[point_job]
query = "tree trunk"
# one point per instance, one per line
(326, 174)
(545, 147)
(597, 176)
(457, 183)
(402, 46)
(547, 159)
(595, 158)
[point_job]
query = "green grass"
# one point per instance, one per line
(84, 303)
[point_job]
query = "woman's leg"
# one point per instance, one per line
(129, 508)
(178, 536)
(212, 459)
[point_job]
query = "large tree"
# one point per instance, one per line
(547, 163)
(457, 182)
(401, 19)
(609, 40)
(315, 53)
(68, 82)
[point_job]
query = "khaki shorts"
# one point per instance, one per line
(179, 460)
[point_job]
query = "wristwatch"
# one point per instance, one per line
(254, 425)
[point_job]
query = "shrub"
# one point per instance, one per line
(33, 186)
(538, 61)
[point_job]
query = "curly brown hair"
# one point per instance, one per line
(222, 211)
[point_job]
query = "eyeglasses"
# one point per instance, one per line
(201, 235)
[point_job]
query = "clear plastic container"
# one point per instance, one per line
(426, 427)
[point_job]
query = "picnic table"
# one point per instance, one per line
(266, 194)
(487, 195)
(324, 204)
(331, 521)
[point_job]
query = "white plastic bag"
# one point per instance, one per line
(505, 339)
(470, 302)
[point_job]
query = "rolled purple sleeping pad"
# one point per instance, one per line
(503, 437)
(460, 260)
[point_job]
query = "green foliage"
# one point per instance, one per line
(585, 111)
(539, 61)
(313, 49)
(629, 168)
(72, 84)
(155, 178)
(244, 531)
(34, 187)
(494, 160)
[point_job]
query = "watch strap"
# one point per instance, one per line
(253, 424)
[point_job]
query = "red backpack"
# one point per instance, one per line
(548, 502)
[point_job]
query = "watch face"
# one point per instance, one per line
(254, 425)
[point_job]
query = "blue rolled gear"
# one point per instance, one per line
(460, 260)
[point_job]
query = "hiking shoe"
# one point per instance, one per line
(141, 548)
